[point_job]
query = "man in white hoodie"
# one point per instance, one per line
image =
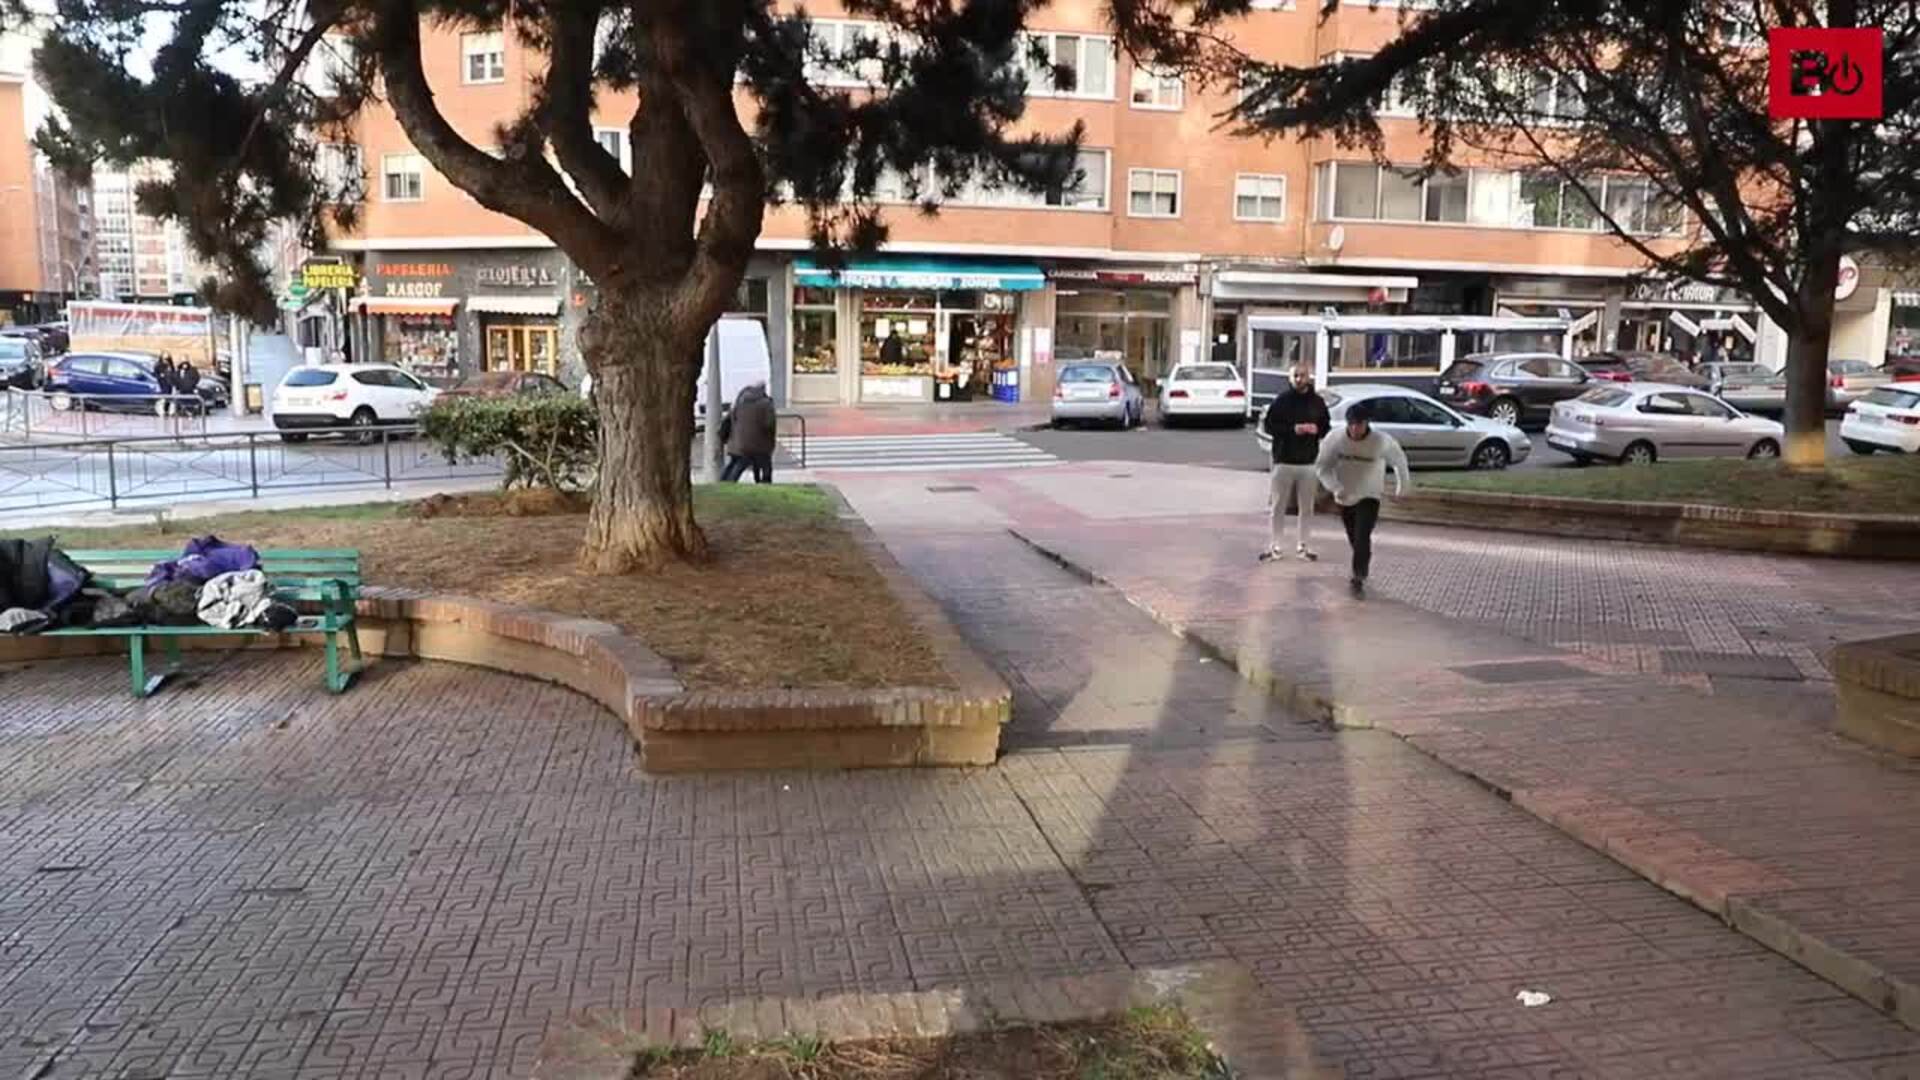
(1353, 466)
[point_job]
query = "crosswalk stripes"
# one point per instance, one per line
(922, 453)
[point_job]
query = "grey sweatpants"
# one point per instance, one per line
(1300, 484)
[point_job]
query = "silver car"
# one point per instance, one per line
(1098, 390)
(1752, 388)
(1640, 423)
(1433, 435)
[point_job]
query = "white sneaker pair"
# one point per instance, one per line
(1299, 552)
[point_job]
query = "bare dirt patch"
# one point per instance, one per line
(788, 600)
(1145, 1044)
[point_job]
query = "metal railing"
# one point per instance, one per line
(38, 414)
(116, 472)
(119, 472)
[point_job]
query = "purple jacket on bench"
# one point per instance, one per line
(203, 559)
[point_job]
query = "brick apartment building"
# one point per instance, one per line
(1179, 233)
(46, 221)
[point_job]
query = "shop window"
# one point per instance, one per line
(1259, 198)
(816, 326)
(403, 177)
(1153, 193)
(1384, 352)
(523, 348)
(483, 57)
(1151, 90)
(1085, 60)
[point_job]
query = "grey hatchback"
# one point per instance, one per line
(1098, 390)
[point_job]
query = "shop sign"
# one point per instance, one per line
(1849, 278)
(318, 275)
(415, 270)
(513, 276)
(1126, 277)
(415, 280)
(414, 290)
(1680, 292)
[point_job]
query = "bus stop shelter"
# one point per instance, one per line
(1276, 342)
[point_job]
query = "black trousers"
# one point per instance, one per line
(1359, 520)
(738, 464)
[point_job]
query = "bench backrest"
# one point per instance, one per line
(294, 574)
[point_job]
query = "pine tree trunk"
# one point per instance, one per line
(1807, 346)
(643, 382)
(1806, 413)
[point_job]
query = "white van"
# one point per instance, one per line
(744, 360)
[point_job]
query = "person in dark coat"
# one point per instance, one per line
(1296, 422)
(750, 436)
(163, 374)
(186, 383)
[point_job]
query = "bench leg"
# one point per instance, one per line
(144, 685)
(337, 679)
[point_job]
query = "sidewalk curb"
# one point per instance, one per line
(1724, 885)
(1300, 697)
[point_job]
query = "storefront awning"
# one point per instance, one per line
(394, 305)
(924, 274)
(514, 305)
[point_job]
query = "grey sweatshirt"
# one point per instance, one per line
(1356, 469)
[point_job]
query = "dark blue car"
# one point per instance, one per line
(122, 382)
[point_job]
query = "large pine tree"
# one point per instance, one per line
(945, 86)
(1672, 91)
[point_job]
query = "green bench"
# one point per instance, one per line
(329, 578)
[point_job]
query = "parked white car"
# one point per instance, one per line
(359, 396)
(1203, 391)
(1641, 423)
(1888, 418)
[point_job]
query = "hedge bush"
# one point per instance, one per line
(549, 440)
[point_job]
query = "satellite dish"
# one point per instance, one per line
(1337, 238)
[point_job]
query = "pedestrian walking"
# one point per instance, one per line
(750, 432)
(186, 384)
(1353, 466)
(1296, 422)
(163, 375)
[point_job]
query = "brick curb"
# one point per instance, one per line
(1852, 536)
(1731, 888)
(1222, 999)
(676, 730)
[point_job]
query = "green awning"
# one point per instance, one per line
(924, 274)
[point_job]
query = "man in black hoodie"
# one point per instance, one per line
(1296, 422)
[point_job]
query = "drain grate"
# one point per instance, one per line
(948, 489)
(1522, 671)
(1730, 665)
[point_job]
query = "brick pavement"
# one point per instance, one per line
(1663, 704)
(426, 876)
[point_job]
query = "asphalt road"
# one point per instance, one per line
(1234, 448)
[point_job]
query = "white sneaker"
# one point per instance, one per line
(1270, 555)
(1305, 555)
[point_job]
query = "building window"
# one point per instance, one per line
(1086, 60)
(846, 52)
(341, 171)
(1259, 198)
(1153, 193)
(403, 177)
(1089, 191)
(614, 142)
(1154, 91)
(483, 57)
(1447, 197)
